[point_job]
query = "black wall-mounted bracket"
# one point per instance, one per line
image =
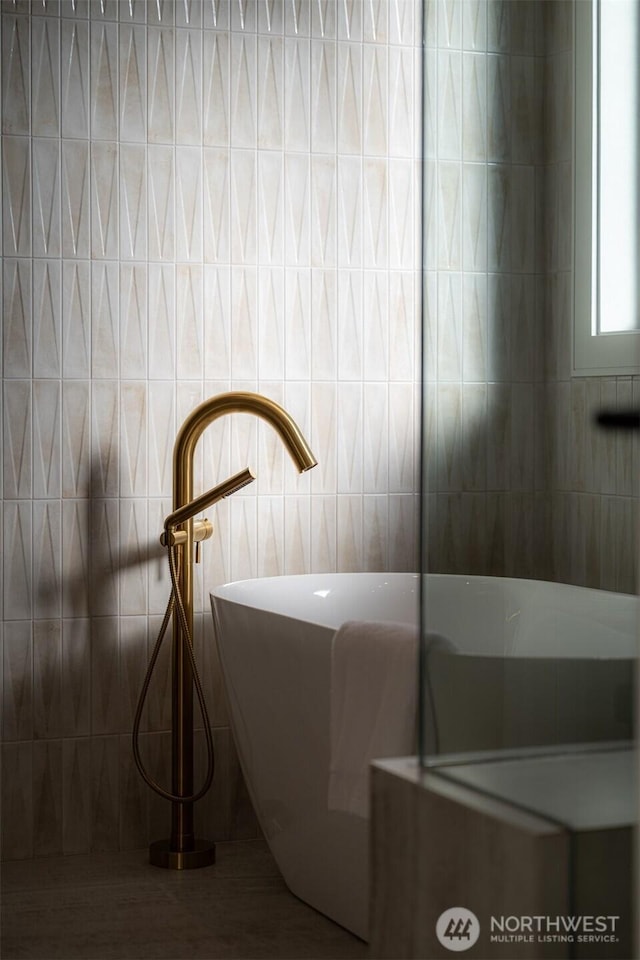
(618, 419)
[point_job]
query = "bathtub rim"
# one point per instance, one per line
(223, 592)
(227, 593)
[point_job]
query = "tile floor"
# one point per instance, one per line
(115, 905)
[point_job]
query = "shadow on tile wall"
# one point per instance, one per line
(520, 482)
(197, 197)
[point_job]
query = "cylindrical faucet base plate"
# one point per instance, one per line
(202, 855)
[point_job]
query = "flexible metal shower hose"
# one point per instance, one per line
(175, 600)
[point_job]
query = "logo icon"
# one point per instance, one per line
(457, 929)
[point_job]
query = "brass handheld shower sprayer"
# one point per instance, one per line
(207, 499)
(183, 850)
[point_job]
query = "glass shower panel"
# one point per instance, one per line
(530, 509)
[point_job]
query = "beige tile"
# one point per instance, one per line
(525, 339)
(474, 96)
(449, 96)
(133, 88)
(474, 519)
(157, 712)
(47, 679)
(449, 23)
(105, 678)
(243, 84)
(161, 79)
(474, 218)
(376, 199)
(47, 561)
(585, 533)
(403, 98)
(47, 798)
(561, 537)
(17, 699)
(16, 79)
(449, 223)
(474, 436)
(156, 754)
(76, 583)
(47, 448)
(17, 801)
(474, 25)
(449, 434)
(450, 328)
(543, 536)
(17, 436)
(523, 23)
(527, 107)
(375, 513)
(132, 666)
(132, 558)
(18, 318)
(593, 437)
(499, 32)
(522, 214)
(17, 196)
(105, 780)
(188, 91)
(76, 678)
(76, 796)
(577, 435)
(77, 321)
(216, 88)
(499, 193)
(323, 550)
(521, 551)
(499, 435)
(349, 519)
(498, 117)
(500, 327)
(133, 801)
(608, 479)
(498, 526)
(625, 480)
(626, 554)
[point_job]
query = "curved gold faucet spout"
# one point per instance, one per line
(238, 402)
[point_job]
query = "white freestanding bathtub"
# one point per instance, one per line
(274, 637)
(526, 663)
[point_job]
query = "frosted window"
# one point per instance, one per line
(617, 169)
(606, 209)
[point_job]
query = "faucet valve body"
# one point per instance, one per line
(202, 530)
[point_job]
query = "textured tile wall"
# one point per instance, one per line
(485, 450)
(520, 481)
(197, 196)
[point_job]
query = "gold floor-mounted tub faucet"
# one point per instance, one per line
(183, 850)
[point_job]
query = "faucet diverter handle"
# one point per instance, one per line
(202, 530)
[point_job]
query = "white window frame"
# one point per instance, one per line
(603, 354)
